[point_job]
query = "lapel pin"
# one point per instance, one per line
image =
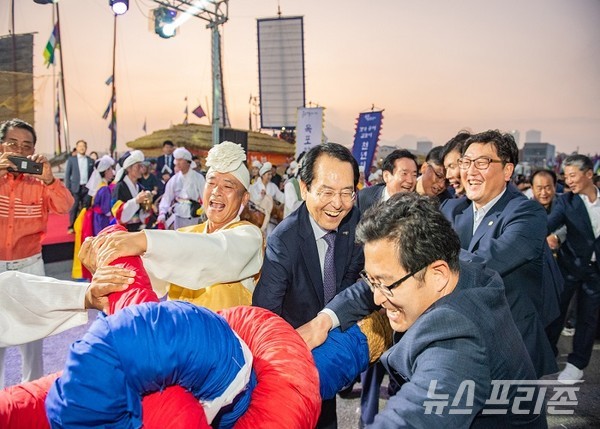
(345, 232)
(491, 223)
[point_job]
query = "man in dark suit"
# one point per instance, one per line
(578, 258)
(78, 171)
(499, 224)
(456, 322)
(311, 254)
(399, 176)
(432, 181)
(166, 162)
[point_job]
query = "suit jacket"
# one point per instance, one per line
(291, 283)
(369, 196)
(575, 253)
(160, 163)
(451, 342)
(511, 239)
(72, 176)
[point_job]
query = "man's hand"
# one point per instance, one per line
(553, 242)
(47, 177)
(88, 253)
(121, 244)
(107, 280)
(6, 163)
(314, 333)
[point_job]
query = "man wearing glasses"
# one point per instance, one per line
(311, 255)
(456, 322)
(25, 201)
(399, 176)
(432, 181)
(499, 224)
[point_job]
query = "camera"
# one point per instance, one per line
(25, 165)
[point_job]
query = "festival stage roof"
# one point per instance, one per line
(198, 139)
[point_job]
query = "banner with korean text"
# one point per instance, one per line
(309, 128)
(368, 128)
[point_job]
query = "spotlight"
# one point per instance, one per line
(119, 7)
(163, 22)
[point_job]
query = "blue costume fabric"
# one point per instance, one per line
(144, 349)
(340, 359)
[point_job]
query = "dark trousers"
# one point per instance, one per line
(588, 306)
(82, 199)
(370, 381)
(328, 417)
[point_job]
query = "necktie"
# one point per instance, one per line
(329, 268)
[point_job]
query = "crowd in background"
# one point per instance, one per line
(540, 234)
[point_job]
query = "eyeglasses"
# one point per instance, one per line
(328, 195)
(12, 146)
(438, 174)
(481, 163)
(386, 290)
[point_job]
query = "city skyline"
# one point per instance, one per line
(435, 67)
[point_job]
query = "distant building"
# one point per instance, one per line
(533, 136)
(538, 155)
(423, 147)
(517, 136)
(382, 152)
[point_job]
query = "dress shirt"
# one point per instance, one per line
(83, 169)
(321, 243)
(478, 215)
(24, 205)
(593, 210)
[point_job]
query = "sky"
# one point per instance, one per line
(434, 66)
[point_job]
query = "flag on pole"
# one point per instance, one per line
(51, 46)
(107, 111)
(109, 80)
(113, 126)
(144, 126)
(199, 112)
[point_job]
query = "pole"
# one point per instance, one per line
(113, 102)
(216, 82)
(62, 81)
(57, 148)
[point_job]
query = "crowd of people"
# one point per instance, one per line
(476, 278)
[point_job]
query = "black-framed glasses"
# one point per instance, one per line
(328, 195)
(481, 163)
(439, 175)
(386, 290)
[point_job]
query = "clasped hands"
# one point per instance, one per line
(97, 253)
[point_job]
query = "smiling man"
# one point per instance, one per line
(311, 254)
(455, 319)
(498, 223)
(214, 264)
(399, 175)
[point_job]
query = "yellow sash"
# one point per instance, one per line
(219, 295)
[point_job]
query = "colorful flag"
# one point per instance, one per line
(51, 46)
(199, 112)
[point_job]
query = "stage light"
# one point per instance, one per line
(164, 22)
(119, 7)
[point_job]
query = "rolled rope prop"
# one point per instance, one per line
(139, 350)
